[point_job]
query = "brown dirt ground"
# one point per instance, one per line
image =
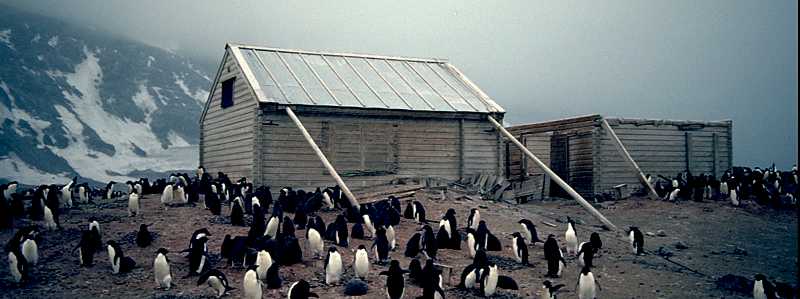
(712, 230)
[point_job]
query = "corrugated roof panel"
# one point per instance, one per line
(368, 98)
(332, 81)
(268, 86)
(364, 81)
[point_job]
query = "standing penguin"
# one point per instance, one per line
(637, 240)
(391, 237)
(133, 204)
(109, 191)
(520, 248)
(762, 288)
(272, 226)
(381, 246)
(413, 245)
(419, 212)
(29, 248)
(333, 266)
(166, 195)
(300, 290)
(315, 244)
(554, 257)
(586, 254)
(273, 278)
(474, 218)
(17, 265)
(587, 284)
(492, 280)
(361, 262)
(735, 197)
(161, 269)
(597, 244)
(251, 283)
(263, 262)
(571, 237)
(237, 212)
(215, 280)
(429, 243)
(549, 290)
(395, 282)
(529, 231)
(49, 219)
(86, 249)
(143, 237)
(198, 256)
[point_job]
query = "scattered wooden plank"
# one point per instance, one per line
(549, 224)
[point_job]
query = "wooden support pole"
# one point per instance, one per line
(625, 154)
(586, 205)
(321, 156)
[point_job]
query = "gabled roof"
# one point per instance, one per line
(295, 77)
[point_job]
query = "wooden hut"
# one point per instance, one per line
(374, 117)
(582, 152)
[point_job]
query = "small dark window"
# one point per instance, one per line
(227, 92)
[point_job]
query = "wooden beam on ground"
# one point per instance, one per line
(554, 176)
(625, 154)
(322, 158)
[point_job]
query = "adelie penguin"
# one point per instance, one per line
(381, 246)
(161, 269)
(143, 236)
(492, 280)
(251, 284)
(474, 218)
(571, 237)
(333, 266)
(263, 263)
(529, 231)
(361, 262)
(762, 288)
(315, 243)
(431, 282)
(429, 244)
(17, 266)
(597, 244)
(300, 290)
(636, 239)
(119, 262)
(87, 248)
(217, 281)
(134, 205)
(237, 212)
(549, 290)
(520, 248)
(587, 284)
(586, 254)
(198, 256)
(419, 212)
(274, 280)
(395, 282)
(554, 257)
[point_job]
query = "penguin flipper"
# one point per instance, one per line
(506, 282)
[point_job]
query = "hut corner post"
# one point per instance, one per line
(625, 154)
(554, 176)
(322, 157)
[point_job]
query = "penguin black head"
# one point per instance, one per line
(332, 249)
(760, 277)
(143, 227)
(547, 284)
(202, 231)
(516, 235)
(252, 267)
(362, 247)
(585, 270)
(162, 250)
(551, 236)
(112, 243)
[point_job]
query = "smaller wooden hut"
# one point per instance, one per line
(585, 155)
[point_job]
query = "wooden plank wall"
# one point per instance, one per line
(581, 146)
(660, 149)
(482, 152)
(378, 148)
(539, 145)
(227, 134)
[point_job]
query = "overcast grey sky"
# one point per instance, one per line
(704, 60)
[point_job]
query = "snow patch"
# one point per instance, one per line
(150, 60)
(5, 37)
(87, 108)
(36, 38)
(199, 95)
(40, 57)
(145, 101)
(53, 41)
(16, 115)
(16, 169)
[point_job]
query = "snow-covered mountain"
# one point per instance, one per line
(76, 101)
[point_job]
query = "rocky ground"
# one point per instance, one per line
(718, 239)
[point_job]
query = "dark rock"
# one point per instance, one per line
(735, 283)
(680, 245)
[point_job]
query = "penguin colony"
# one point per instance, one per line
(271, 242)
